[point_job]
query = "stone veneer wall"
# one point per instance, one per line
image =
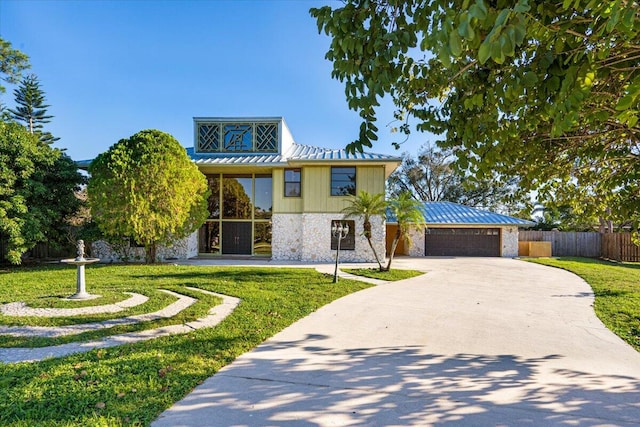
(417, 242)
(307, 237)
(181, 249)
(286, 240)
(509, 241)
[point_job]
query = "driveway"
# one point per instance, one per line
(475, 341)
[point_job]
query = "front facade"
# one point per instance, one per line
(275, 198)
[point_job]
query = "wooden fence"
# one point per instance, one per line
(620, 247)
(567, 243)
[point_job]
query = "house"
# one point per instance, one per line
(457, 230)
(272, 197)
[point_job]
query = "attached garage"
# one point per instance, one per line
(457, 230)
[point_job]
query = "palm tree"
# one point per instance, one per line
(407, 211)
(367, 205)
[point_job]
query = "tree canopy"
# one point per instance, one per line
(431, 176)
(145, 187)
(12, 64)
(37, 191)
(547, 91)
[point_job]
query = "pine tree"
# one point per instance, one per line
(31, 109)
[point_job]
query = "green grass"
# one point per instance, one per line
(391, 275)
(617, 292)
(132, 384)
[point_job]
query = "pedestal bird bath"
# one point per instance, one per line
(80, 261)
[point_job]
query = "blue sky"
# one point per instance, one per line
(112, 68)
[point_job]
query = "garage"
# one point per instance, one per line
(483, 242)
(457, 230)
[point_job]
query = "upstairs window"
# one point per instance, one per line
(292, 187)
(237, 137)
(343, 180)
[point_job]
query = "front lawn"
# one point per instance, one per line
(391, 275)
(617, 290)
(132, 384)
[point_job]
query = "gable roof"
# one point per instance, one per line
(448, 213)
(297, 153)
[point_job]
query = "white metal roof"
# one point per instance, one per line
(297, 153)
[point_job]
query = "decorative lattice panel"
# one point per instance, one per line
(208, 137)
(238, 137)
(266, 137)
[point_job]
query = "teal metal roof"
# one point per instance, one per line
(448, 213)
(297, 153)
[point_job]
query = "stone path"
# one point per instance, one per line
(20, 309)
(59, 331)
(215, 316)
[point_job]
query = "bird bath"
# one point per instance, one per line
(80, 261)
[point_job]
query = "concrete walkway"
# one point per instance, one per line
(480, 342)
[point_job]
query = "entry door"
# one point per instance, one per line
(236, 238)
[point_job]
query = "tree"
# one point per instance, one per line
(408, 215)
(431, 176)
(12, 64)
(37, 185)
(367, 205)
(145, 187)
(31, 109)
(548, 92)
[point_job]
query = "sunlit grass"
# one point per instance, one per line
(133, 384)
(617, 292)
(391, 275)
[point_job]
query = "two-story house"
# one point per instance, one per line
(275, 198)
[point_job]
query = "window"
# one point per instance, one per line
(343, 181)
(348, 243)
(243, 137)
(292, 183)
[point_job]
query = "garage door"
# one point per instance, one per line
(462, 242)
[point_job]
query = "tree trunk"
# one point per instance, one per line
(394, 245)
(150, 253)
(375, 254)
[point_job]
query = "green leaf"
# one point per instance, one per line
(530, 78)
(484, 52)
(455, 44)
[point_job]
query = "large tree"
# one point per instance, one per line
(431, 176)
(37, 191)
(31, 108)
(548, 91)
(146, 188)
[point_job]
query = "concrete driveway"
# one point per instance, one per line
(475, 341)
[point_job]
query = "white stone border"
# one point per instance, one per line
(215, 316)
(59, 331)
(20, 309)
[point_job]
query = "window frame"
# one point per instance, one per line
(299, 181)
(355, 181)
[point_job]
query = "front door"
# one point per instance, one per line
(236, 238)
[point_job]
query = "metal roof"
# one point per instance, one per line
(307, 152)
(448, 213)
(297, 153)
